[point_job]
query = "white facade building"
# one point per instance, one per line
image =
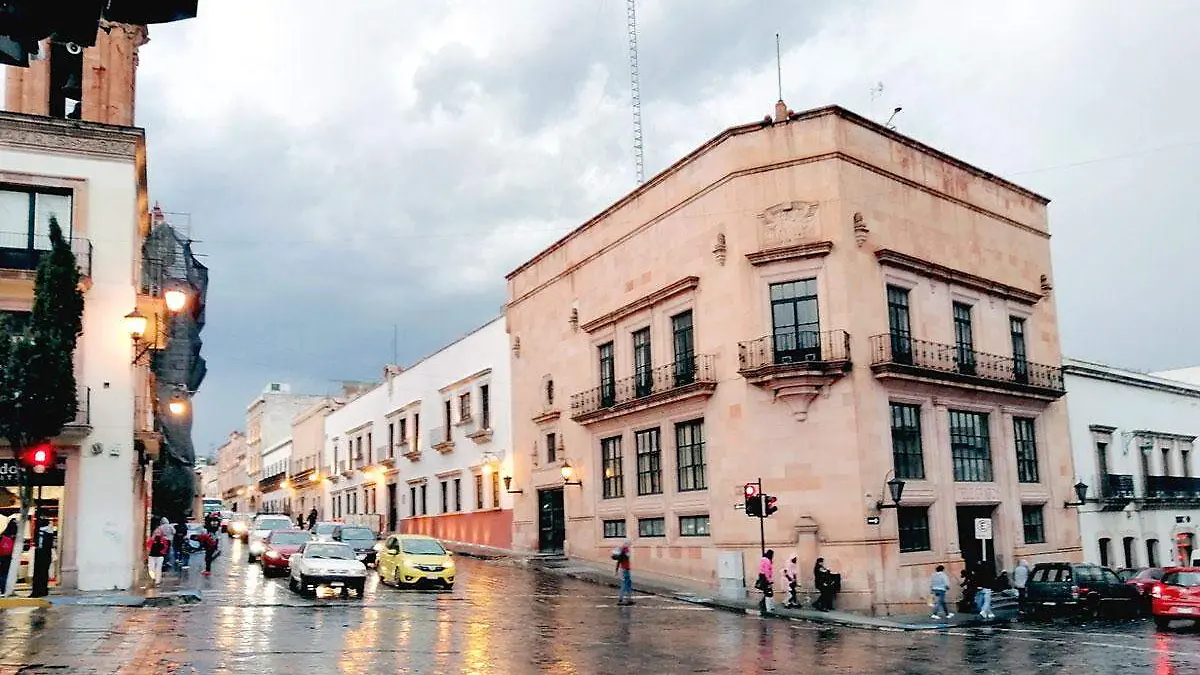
(92, 177)
(425, 451)
(1132, 437)
(275, 488)
(268, 424)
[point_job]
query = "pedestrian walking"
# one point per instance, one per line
(312, 518)
(212, 522)
(792, 574)
(1020, 577)
(766, 580)
(167, 531)
(212, 549)
(622, 555)
(183, 553)
(939, 585)
(8, 540)
(156, 550)
(826, 586)
(984, 581)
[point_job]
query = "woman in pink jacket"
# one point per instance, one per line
(766, 579)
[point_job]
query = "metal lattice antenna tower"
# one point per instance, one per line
(635, 92)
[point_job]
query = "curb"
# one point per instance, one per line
(12, 603)
(164, 600)
(819, 618)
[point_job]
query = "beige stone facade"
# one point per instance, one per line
(895, 286)
(308, 477)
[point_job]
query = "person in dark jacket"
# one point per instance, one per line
(826, 586)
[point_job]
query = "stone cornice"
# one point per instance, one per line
(58, 136)
(818, 249)
(646, 301)
(1078, 369)
(949, 275)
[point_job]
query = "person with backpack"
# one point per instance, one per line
(212, 548)
(622, 554)
(156, 550)
(7, 541)
(183, 553)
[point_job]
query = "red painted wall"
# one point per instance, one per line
(485, 528)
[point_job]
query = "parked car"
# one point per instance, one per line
(1177, 596)
(361, 539)
(1144, 581)
(332, 564)
(415, 560)
(279, 546)
(1080, 588)
(323, 531)
(260, 528)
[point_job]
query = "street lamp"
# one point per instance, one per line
(895, 488)
(568, 472)
(176, 300)
(508, 486)
(1081, 489)
(177, 405)
(135, 324)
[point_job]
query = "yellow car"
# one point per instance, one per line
(415, 560)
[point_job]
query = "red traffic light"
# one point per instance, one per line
(751, 490)
(771, 508)
(39, 458)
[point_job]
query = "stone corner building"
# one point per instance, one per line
(819, 301)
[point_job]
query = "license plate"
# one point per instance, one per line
(431, 577)
(1049, 604)
(1186, 610)
(336, 584)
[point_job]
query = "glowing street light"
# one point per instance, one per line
(176, 299)
(177, 405)
(136, 324)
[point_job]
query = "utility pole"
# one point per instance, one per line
(762, 520)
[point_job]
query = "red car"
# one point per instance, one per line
(1145, 579)
(1177, 596)
(279, 547)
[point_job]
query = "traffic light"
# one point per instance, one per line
(770, 505)
(38, 458)
(753, 501)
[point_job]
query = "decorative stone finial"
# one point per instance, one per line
(516, 346)
(719, 249)
(1046, 287)
(574, 320)
(860, 229)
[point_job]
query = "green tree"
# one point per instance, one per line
(38, 396)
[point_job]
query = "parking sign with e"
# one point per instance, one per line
(983, 528)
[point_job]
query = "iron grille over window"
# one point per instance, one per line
(614, 473)
(642, 363)
(649, 461)
(1016, 329)
(652, 527)
(796, 326)
(689, 455)
(899, 324)
(913, 528)
(964, 339)
(907, 456)
(608, 376)
(970, 447)
(1026, 440)
(685, 348)
(614, 529)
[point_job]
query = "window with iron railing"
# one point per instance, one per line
(1016, 329)
(964, 338)
(685, 348)
(642, 363)
(608, 376)
(899, 324)
(795, 321)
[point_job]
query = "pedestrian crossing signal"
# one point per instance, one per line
(770, 505)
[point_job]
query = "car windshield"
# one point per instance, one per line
(1154, 573)
(273, 524)
(357, 534)
(289, 538)
(325, 528)
(1183, 579)
(330, 551)
(421, 547)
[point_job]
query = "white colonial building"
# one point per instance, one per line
(1133, 439)
(275, 486)
(268, 425)
(426, 450)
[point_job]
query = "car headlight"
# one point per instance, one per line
(273, 555)
(256, 547)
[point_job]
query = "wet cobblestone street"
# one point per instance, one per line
(506, 619)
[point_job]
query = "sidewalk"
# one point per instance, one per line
(596, 574)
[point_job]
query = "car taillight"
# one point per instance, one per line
(1075, 592)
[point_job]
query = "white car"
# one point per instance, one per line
(260, 528)
(322, 563)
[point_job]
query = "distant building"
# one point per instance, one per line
(1133, 437)
(308, 478)
(233, 478)
(268, 425)
(426, 450)
(819, 301)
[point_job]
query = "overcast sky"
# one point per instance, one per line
(352, 166)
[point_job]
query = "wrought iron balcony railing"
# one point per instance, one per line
(902, 351)
(800, 349)
(1116, 486)
(1181, 488)
(21, 251)
(649, 382)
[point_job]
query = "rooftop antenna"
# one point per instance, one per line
(894, 113)
(635, 92)
(778, 67)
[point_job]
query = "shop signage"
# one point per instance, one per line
(12, 474)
